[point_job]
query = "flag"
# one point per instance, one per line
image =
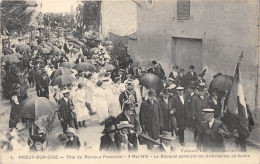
(237, 103)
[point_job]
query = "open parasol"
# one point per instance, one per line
(151, 81)
(33, 108)
(84, 67)
(69, 65)
(62, 80)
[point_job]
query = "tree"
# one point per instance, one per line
(119, 51)
(91, 11)
(15, 16)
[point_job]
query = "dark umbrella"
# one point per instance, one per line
(22, 48)
(150, 81)
(91, 61)
(222, 82)
(33, 108)
(33, 43)
(62, 80)
(17, 55)
(84, 67)
(38, 47)
(60, 71)
(142, 63)
(69, 65)
(44, 51)
(10, 59)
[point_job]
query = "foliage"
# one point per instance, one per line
(91, 11)
(49, 123)
(119, 51)
(15, 16)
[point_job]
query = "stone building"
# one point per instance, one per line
(208, 34)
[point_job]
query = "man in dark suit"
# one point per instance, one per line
(211, 132)
(175, 73)
(74, 142)
(66, 114)
(44, 85)
(214, 104)
(181, 79)
(189, 94)
(191, 75)
(165, 146)
(79, 59)
(168, 113)
(199, 103)
(150, 116)
(128, 94)
(37, 79)
(179, 103)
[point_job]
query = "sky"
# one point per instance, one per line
(58, 6)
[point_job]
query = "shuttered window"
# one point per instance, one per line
(183, 9)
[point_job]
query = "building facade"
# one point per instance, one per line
(207, 34)
(118, 17)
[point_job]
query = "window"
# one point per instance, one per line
(183, 9)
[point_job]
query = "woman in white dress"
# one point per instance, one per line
(89, 90)
(117, 89)
(107, 82)
(80, 108)
(101, 102)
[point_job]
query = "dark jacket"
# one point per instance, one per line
(190, 77)
(75, 144)
(65, 110)
(180, 111)
(171, 75)
(107, 144)
(198, 105)
(210, 138)
(217, 108)
(189, 98)
(182, 81)
(125, 96)
(151, 117)
(169, 120)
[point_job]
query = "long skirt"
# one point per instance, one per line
(14, 116)
(102, 109)
(82, 111)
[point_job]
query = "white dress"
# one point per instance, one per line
(110, 98)
(117, 90)
(89, 90)
(80, 108)
(101, 104)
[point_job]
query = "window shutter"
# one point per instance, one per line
(183, 9)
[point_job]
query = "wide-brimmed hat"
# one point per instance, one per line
(166, 135)
(63, 138)
(175, 66)
(207, 110)
(192, 67)
(66, 91)
(70, 130)
(38, 139)
(124, 124)
(128, 105)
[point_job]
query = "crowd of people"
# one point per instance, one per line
(112, 91)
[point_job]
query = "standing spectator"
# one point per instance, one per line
(211, 132)
(15, 109)
(66, 114)
(175, 73)
(199, 103)
(150, 116)
(73, 142)
(180, 107)
(189, 95)
(44, 85)
(181, 79)
(168, 113)
(214, 104)
(37, 79)
(191, 75)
